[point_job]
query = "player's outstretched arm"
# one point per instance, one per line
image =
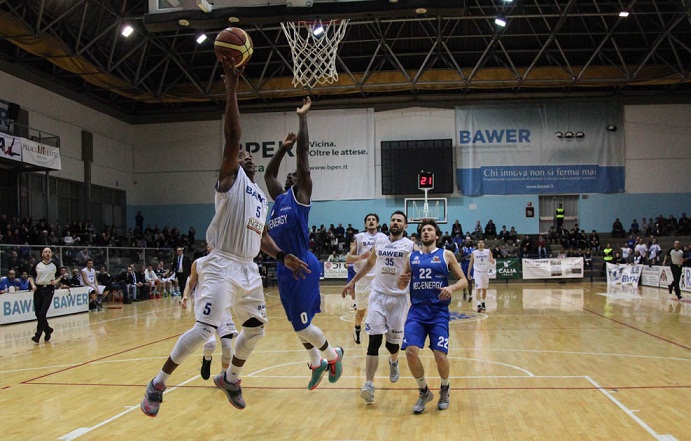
(292, 262)
(271, 174)
(304, 184)
(462, 283)
(189, 285)
(349, 289)
(404, 278)
(470, 266)
(231, 130)
(352, 256)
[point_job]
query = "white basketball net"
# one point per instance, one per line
(314, 55)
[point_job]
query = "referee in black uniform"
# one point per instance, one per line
(43, 285)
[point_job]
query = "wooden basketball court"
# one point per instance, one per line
(548, 361)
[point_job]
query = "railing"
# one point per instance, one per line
(115, 259)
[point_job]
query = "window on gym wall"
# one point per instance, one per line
(67, 202)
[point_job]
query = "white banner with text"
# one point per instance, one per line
(19, 306)
(623, 274)
(341, 150)
(566, 268)
(29, 152)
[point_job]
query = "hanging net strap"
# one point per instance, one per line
(314, 51)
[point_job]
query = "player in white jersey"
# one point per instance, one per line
(481, 261)
(89, 280)
(229, 277)
(359, 252)
(387, 303)
(226, 330)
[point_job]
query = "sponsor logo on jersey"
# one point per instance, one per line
(277, 221)
(436, 259)
(255, 225)
(255, 193)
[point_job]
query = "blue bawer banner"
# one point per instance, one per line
(540, 148)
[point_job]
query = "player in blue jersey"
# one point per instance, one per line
(427, 272)
(289, 228)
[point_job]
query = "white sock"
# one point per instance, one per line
(161, 378)
(445, 382)
(421, 383)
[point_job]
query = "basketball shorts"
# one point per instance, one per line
(363, 288)
(227, 326)
(226, 282)
(300, 298)
(423, 322)
(481, 279)
(386, 315)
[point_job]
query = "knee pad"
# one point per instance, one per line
(226, 350)
(313, 336)
(374, 344)
(210, 345)
(244, 345)
(392, 348)
(190, 341)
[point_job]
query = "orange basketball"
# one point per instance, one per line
(235, 43)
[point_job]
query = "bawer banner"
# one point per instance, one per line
(509, 269)
(553, 147)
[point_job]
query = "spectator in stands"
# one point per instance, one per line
(683, 225)
(618, 229)
(626, 251)
(541, 247)
(456, 228)
(552, 235)
(525, 247)
(24, 282)
(644, 226)
(634, 229)
(63, 280)
(503, 234)
(588, 259)
(339, 232)
(490, 230)
(642, 249)
(513, 235)
(135, 286)
(478, 232)
(152, 282)
(637, 258)
(89, 280)
(76, 279)
(607, 257)
(594, 241)
(654, 252)
(109, 283)
(139, 221)
(9, 283)
(182, 265)
(618, 259)
(385, 229)
(70, 240)
(333, 257)
(13, 262)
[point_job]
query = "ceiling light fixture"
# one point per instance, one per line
(500, 20)
(184, 22)
(421, 11)
(624, 14)
(127, 31)
(201, 38)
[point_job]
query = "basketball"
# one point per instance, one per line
(235, 43)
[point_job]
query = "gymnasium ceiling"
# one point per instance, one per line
(393, 54)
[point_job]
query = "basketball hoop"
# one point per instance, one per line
(313, 46)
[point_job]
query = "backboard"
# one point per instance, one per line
(417, 209)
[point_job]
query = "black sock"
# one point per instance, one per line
(358, 328)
